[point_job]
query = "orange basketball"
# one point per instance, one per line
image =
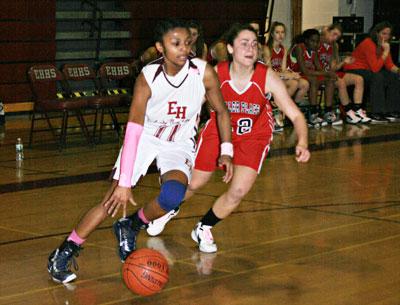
(145, 271)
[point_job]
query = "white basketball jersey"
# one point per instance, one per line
(174, 107)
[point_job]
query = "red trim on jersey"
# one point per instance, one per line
(160, 70)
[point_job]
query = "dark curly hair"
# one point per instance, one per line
(166, 25)
(307, 34)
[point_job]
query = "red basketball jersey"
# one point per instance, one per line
(277, 58)
(308, 56)
(325, 53)
(250, 109)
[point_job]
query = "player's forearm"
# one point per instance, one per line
(301, 129)
(224, 126)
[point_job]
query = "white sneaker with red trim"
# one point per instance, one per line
(202, 235)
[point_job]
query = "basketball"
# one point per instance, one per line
(145, 272)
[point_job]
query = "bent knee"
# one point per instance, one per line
(292, 83)
(236, 194)
(171, 194)
(304, 85)
(359, 81)
(195, 185)
(341, 84)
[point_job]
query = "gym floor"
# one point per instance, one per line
(326, 232)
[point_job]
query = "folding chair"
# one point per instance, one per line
(44, 79)
(89, 88)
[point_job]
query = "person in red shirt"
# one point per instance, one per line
(372, 60)
(328, 54)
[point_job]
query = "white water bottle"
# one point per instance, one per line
(2, 116)
(19, 150)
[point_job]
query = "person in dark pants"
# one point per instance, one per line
(381, 76)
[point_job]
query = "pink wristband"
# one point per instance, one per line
(128, 155)
(227, 149)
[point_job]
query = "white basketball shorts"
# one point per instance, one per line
(169, 156)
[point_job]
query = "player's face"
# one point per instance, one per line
(384, 35)
(313, 42)
(176, 46)
(194, 33)
(279, 34)
(245, 48)
(333, 35)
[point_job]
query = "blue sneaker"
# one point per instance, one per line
(126, 237)
(60, 261)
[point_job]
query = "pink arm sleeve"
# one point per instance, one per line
(129, 150)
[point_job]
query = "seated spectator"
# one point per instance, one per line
(275, 56)
(328, 54)
(217, 52)
(303, 58)
(372, 61)
(199, 47)
(148, 55)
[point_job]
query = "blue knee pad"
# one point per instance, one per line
(171, 195)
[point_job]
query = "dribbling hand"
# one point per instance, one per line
(302, 154)
(119, 197)
(226, 162)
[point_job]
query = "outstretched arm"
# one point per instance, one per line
(288, 107)
(217, 103)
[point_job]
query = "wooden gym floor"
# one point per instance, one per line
(327, 232)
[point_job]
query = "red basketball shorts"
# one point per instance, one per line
(250, 152)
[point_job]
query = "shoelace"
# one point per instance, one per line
(125, 239)
(67, 259)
